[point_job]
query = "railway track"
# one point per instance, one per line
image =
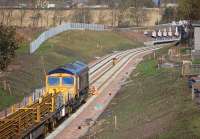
(107, 59)
(101, 74)
(28, 118)
(106, 64)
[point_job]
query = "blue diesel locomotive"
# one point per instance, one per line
(71, 83)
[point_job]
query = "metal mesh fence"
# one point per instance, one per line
(35, 96)
(64, 27)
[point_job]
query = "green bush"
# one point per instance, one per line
(8, 45)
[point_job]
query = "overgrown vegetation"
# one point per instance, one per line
(186, 10)
(196, 61)
(154, 103)
(8, 45)
(189, 9)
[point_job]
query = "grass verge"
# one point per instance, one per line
(154, 104)
(196, 61)
(7, 100)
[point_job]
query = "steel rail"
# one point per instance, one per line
(100, 85)
(100, 70)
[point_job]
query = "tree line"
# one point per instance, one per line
(189, 9)
(185, 10)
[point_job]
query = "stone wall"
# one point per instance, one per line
(47, 18)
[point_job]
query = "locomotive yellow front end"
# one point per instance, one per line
(61, 83)
(69, 82)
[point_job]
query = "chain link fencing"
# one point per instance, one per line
(64, 27)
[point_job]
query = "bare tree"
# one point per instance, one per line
(55, 17)
(9, 16)
(138, 16)
(81, 15)
(136, 12)
(41, 19)
(47, 19)
(122, 10)
(113, 6)
(101, 17)
(2, 13)
(22, 15)
(35, 18)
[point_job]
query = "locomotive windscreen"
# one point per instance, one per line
(52, 81)
(67, 80)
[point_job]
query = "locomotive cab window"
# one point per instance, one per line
(53, 81)
(68, 81)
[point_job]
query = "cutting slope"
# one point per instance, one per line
(152, 104)
(27, 72)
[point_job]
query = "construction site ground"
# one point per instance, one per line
(152, 103)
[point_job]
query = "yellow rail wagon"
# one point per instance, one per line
(66, 89)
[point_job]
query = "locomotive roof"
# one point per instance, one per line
(72, 68)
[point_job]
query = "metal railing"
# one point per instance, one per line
(64, 27)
